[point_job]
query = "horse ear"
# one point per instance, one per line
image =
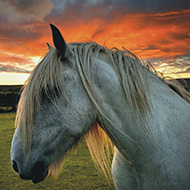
(49, 47)
(60, 43)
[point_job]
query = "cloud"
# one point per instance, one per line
(23, 45)
(61, 5)
(155, 6)
(17, 32)
(15, 60)
(176, 64)
(22, 10)
(154, 30)
(25, 39)
(183, 35)
(10, 68)
(149, 47)
(124, 6)
(187, 70)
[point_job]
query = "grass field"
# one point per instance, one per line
(78, 172)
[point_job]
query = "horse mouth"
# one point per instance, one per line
(40, 177)
(40, 171)
(38, 174)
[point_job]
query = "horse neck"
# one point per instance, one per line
(125, 129)
(169, 112)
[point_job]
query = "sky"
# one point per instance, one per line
(156, 31)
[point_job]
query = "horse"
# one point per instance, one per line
(113, 99)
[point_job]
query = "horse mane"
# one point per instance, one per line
(174, 84)
(47, 80)
(133, 76)
(179, 89)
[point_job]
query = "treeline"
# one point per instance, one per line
(9, 95)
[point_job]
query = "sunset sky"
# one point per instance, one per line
(155, 30)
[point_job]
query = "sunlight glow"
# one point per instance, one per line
(10, 78)
(177, 75)
(36, 59)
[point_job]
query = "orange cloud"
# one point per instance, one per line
(160, 37)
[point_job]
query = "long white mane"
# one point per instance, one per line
(47, 80)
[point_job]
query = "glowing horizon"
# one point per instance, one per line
(15, 78)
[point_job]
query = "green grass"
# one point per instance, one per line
(78, 171)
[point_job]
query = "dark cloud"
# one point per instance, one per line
(184, 35)
(22, 10)
(38, 10)
(179, 18)
(23, 45)
(150, 47)
(99, 30)
(10, 68)
(125, 6)
(24, 38)
(164, 41)
(17, 32)
(62, 5)
(155, 6)
(177, 49)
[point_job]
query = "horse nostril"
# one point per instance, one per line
(15, 166)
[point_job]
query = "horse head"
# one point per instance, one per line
(53, 113)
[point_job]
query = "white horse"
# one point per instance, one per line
(82, 88)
